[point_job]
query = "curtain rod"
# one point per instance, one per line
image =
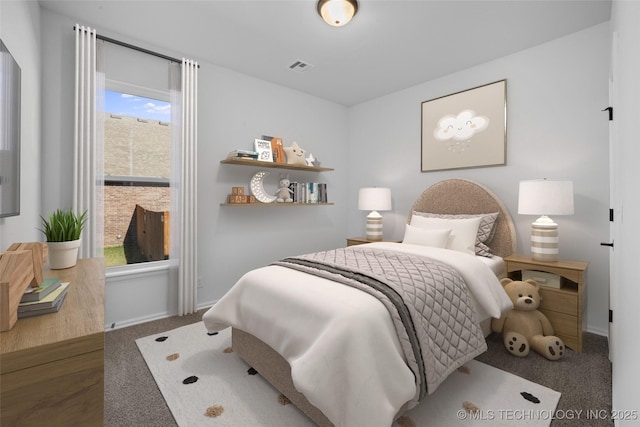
(139, 49)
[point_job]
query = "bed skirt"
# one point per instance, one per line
(275, 369)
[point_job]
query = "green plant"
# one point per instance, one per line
(63, 225)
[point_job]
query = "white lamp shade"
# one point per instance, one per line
(374, 199)
(545, 197)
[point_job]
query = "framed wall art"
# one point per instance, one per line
(466, 129)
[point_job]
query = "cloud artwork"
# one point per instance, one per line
(457, 131)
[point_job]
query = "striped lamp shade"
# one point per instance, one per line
(545, 197)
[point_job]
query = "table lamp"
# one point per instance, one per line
(545, 197)
(374, 199)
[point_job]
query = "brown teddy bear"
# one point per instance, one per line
(524, 327)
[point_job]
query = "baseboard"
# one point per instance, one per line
(150, 318)
(206, 304)
(137, 321)
(598, 331)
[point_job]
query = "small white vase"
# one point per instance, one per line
(63, 254)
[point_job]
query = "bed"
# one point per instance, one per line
(343, 356)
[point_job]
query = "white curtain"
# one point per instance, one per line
(88, 176)
(184, 189)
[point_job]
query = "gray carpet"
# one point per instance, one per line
(584, 379)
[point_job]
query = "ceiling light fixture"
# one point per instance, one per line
(337, 12)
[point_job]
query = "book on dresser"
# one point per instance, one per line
(49, 304)
(36, 294)
(38, 312)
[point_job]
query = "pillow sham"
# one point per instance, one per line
(425, 237)
(463, 230)
(486, 228)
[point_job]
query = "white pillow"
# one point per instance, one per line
(486, 229)
(463, 231)
(421, 236)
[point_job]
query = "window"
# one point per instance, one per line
(137, 166)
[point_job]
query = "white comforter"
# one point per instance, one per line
(341, 344)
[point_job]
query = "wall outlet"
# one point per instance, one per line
(200, 282)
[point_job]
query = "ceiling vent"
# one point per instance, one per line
(300, 66)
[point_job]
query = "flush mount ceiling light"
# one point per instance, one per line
(337, 12)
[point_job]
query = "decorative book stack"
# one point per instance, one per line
(309, 192)
(47, 298)
(243, 154)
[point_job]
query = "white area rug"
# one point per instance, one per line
(205, 384)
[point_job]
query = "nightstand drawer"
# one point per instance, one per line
(559, 301)
(563, 325)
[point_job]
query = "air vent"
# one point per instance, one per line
(300, 66)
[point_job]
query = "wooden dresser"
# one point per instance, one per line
(52, 366)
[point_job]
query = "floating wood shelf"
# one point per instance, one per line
(258, 163)
(276, 204)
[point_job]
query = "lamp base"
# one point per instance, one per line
(544, 242)
(374, 229)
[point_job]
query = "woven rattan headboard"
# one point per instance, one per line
(462, 196)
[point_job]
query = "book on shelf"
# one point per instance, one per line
(312, 192)
(53, 309)
(309, 192)
(322, 193)
(47, 302)
(243, 154)
(277, 150)
(36, 294)
(263, 147)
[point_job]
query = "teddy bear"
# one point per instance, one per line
(525, 327)
(284, 193)
(295, 155)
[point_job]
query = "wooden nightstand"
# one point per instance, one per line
(563, 307)
(351, 241)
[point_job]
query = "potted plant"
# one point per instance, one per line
(62, 230)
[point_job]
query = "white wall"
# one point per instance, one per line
(555, 129)
(625, 292)
(20, 32)
(233, 240)
(234, 109)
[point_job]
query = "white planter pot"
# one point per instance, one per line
(63, 254)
